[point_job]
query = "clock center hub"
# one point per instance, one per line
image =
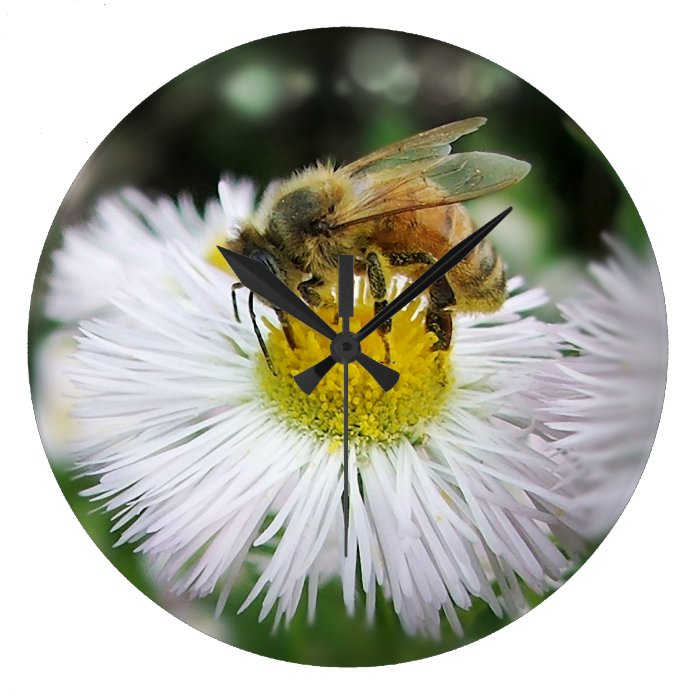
(345, 348)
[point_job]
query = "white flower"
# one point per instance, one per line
(207, 461)
(122, 241)
(125, 238)
(51, 394)
(611, 389)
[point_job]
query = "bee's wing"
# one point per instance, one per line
(428, 144)
(421, 172)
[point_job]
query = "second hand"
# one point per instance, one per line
(346, 294)
(346, 423)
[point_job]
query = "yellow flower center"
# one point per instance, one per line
(375, 416)
(212, 254)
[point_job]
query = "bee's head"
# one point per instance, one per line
(305, 212)
(266, 258)
(249, 242)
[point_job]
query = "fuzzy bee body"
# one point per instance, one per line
(397, 209)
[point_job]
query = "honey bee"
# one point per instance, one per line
(396, 209)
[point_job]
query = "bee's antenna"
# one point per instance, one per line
(258, 334)
(234, 287)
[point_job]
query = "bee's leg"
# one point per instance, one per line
(417, 258)
(234, 287)
(307, 291)
(286, 327)
(377, 287)
(438, 318)
(258, 335)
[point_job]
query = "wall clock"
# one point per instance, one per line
(355, 344)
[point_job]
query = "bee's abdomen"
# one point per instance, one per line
(479, 281)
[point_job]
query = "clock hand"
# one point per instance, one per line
(384, 376)
(346, 295)
(313, 375)
(261, 280)
(432, 275)
(308, 379)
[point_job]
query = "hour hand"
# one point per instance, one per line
(263, 282)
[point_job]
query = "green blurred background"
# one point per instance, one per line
(265, 109)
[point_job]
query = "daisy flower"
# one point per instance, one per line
(125, 238)
(208, 463)
(611, 384)
(51, 389)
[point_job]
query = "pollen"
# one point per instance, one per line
(375, 416)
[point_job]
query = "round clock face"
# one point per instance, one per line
(256, 452)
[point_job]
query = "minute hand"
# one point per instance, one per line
(309, 379)
(432, 275)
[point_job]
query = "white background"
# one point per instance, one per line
(624, 625)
